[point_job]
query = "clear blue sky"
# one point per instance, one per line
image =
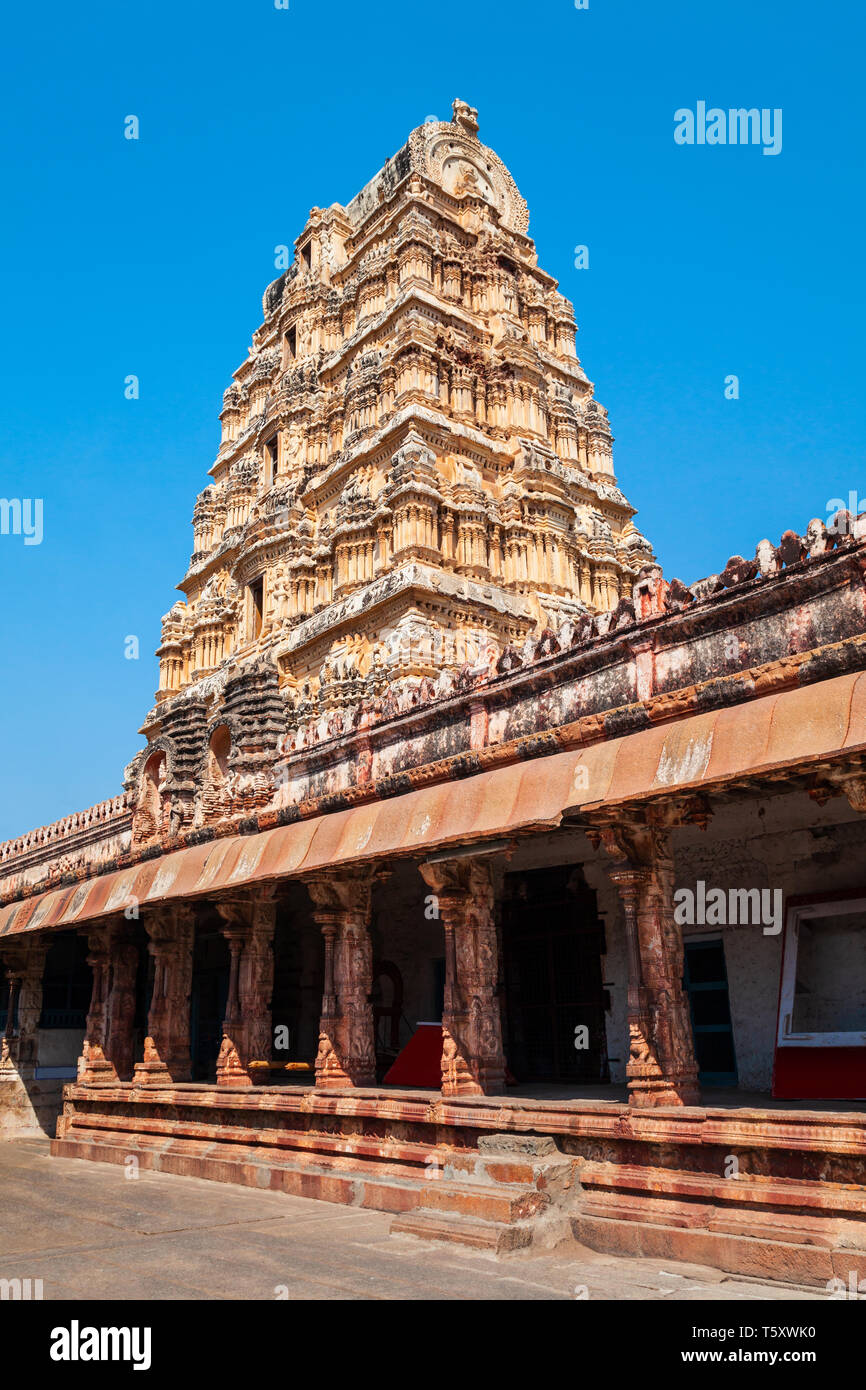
(151, 257)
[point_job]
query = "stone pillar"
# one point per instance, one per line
(9, 1042)
(473, 1062)
(120, 1008)
(107, 1053)
(94, 1068)
(248, 927)
(166, 1048)
(347, 1049)
(22, 1111)
(25, 966)
(661, 1068)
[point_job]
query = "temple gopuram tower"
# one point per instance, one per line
(414, 477)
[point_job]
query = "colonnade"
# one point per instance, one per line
(661, 1069)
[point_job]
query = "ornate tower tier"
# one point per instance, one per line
(414, 472)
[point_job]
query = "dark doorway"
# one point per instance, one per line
(387, 1000)
(67, 983)
(552, 945)
(288, 994)
(210, 988)
(706, 982)
(143, 991)
(438, 987)
(296, 1003)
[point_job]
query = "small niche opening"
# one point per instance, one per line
(271, 455)
(257, 605)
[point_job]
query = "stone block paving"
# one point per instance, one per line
(89, 1232)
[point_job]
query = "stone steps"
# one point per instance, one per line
(489, 1202)
(229, 1161)
(798, 1195)
(417, 1155)
(474, 1232)
(351, 1182)
(454, 1171)
(500, 1200)
(486, 1198)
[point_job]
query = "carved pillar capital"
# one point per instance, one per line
(849, 782)
(250, 912)
(168, 926)
(855, 790)
(342, 897)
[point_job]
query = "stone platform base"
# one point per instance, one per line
(798, 1232)
(773, 1193)
(29, 1110)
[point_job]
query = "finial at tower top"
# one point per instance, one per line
(465, 116)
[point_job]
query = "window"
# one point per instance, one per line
(307, 255)
(219, 748)
(291, 341)
(154, 769)
(271, 457)
(823, 996)
(257, 605)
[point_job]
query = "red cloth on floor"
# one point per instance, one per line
(420, 1062)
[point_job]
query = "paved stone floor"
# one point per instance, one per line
(89, 1232)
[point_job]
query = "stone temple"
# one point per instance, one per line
(471, 869)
